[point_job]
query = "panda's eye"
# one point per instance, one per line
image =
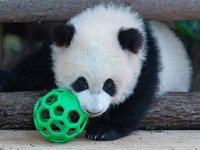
(80, 84)
(109, 87)
(108, 84)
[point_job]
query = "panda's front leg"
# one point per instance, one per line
(119, 121)
(104, 132)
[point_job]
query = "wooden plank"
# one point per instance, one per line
(140, 140)
(1, 42)
(62, 10)
(171, 111)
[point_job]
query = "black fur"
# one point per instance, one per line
(35, 73)
(80, 84)
(130, 39)
(109, 87)
(120, 120)
(62, 34)
(5, 80)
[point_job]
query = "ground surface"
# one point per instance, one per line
(140, 140)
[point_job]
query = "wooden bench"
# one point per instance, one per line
(140, 140)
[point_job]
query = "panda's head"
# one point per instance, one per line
(98, 56)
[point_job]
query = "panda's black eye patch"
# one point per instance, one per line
(109, 87)
(80, 84)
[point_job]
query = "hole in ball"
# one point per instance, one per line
(61, 122)
(45, 116)
(38, 106)
(58, 111)
(51, 99)
(83, 124)
(73, 117)
(54, 128)
(45, 131)
(70, 132)
(61, 90)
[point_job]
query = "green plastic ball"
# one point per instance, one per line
(52, 116)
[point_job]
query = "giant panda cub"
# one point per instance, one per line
(115, 63)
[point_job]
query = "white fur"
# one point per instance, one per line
(95, 53)
(176, 70)
(97, 103)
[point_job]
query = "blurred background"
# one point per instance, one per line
(20, 39)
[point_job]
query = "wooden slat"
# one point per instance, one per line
(171, 111)
(140, 140)
(62, 10)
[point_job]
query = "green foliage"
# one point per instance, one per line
(12, 42)
(189, 29)
(150, 128)
(159, 131)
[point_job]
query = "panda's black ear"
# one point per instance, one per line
(62, 34)
(130, 39)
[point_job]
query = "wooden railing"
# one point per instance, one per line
(62, 10)
(171, 111)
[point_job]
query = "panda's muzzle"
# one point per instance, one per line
(93, 113)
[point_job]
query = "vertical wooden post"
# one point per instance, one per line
(1, 42)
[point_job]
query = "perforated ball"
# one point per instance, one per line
(52, 116)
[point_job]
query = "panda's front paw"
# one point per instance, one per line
(103, 133)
